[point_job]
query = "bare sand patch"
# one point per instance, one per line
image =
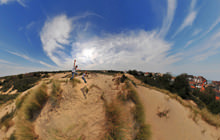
(177, 123)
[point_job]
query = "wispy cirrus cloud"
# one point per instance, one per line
(211, 28)
(5, 61)
(208, 48)
(196, 32)
(31, 59)
(171, 8)
(21, 2)
(188, 43)
(7, 69)
(190, 18)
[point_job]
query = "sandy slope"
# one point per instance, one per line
(178, 125)
(76, 116)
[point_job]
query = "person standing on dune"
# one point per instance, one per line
(74, 70)
(83, 76)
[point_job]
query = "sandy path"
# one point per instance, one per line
(76, 116)
(178, 125)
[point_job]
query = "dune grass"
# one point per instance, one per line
(27, 112)
(143, 130)
(74, 82)
(6, 120)
(20, 100)
(55, 95)
(114, 121)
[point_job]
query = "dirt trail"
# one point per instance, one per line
(178, 124)
(76, 117)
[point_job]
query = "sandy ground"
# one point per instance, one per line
(76, 116)
(178, 125)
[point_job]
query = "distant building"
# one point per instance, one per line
(146, 74)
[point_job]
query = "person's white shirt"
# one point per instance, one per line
(74, 69)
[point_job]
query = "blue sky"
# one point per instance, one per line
(148, 35)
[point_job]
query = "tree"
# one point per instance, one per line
(182, 87)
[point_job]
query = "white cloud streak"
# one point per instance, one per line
(208, 48)
(188, 43)
(31, 59)
(5, 62)
(190, 18)
(210, 28)
(171, 8)
(13, 69)
(21, 2)
(196, 32)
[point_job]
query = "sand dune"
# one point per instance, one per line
(178, 125)
(77, 117)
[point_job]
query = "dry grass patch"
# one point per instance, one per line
(115, 122)
(129, 94)
(74, 82)
(6, 121)
(55, 93)
(29, 109)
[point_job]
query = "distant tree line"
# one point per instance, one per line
(181, 87)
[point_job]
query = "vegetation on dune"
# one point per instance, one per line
(129, 94)
(56, 93)
(27, 112)
(75, 82)
(143, 130)
(114, 121)
(206, 115)
(20, 82)
(5, 98)
(6, 120)
(181, 87)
